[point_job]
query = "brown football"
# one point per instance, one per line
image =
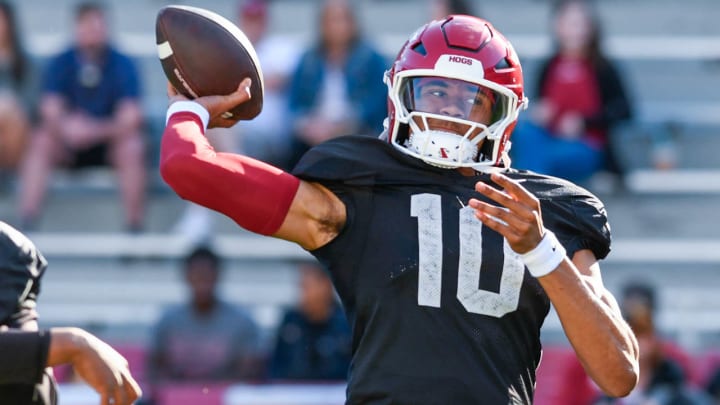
(203, 53)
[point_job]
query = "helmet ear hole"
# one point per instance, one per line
(403, 133)
(486, 150)
(503, 64)
(420, 48)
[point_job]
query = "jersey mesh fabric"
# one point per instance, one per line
(440, 311)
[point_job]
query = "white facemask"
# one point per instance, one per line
(441, 145)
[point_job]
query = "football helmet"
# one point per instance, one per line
(454, 94)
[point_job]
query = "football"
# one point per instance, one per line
(203, 53)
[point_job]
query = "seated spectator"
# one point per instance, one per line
(16, 91)
(206, 338)
(713, 386)
(313, 340)
(662, 378)
(337, 88)
(89, 115)
(579, 97)
(266, 137)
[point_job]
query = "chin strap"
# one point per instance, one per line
(505, 155)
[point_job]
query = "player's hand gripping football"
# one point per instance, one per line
(518, 218)
(217, 105)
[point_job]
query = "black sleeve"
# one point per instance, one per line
(24, 356)
(576, 216)
(615, 103)
(21, 267)
(591, 221)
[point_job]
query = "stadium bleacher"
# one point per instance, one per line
(115, 284)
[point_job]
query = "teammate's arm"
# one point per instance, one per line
(25, 354)
(604, 343)
(98, 364)
(259, 197)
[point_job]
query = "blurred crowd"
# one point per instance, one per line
(206, 339)
(82, 108)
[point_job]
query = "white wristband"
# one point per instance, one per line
(545, 257)
(189, 106)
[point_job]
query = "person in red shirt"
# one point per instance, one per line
(580, 98)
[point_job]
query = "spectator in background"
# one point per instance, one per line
(580, 97)
(313, 340)
(337, 88)
(89, 115)
(27, 352)
(440, 9)
(663, 365)
(713, 386)
(206, 338)
(16, 91)
(265, 137)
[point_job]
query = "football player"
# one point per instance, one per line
(445, 258)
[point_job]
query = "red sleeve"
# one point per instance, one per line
(254, 194)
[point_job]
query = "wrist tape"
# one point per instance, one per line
(545, 257)
(189, 106)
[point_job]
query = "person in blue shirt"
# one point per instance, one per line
(89, 115)
(313, 339)
(337, 86)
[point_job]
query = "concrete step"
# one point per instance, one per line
(522, 16)
(85, 209)
(124, 298)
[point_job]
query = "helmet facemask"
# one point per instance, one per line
(451, 120)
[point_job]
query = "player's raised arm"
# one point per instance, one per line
(259, 197)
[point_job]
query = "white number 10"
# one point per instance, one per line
(427, 208)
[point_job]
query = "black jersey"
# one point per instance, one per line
(442, 310)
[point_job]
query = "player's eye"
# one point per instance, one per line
(478, 99)
(437, 92)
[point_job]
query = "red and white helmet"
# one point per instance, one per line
(461, 49)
